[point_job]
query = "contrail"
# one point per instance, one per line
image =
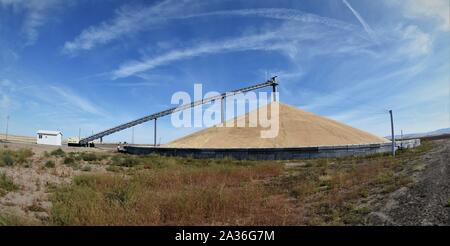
(362, 21)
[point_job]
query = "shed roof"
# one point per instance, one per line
(46, 132)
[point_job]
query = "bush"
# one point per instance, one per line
(119, 194)
(126, 161)
(89, 156)
(58, 152)
(10, 157)
(22, 155)
(49, 164)
(46, 154)
(69, 161)
(6, 159)
(6, 183)
(86, 168)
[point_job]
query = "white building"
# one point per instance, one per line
(49, 137)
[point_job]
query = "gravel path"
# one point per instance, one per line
(427, 202)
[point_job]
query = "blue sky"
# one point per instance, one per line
(95, 64)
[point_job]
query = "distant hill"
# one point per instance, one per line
(438, 132)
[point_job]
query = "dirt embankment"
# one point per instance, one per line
(427, 201)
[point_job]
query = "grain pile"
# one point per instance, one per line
(297, 128)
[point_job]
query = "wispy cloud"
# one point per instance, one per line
(37, 13)
(286, 39)
(362, 91)
(416, 42)
(5, 89)
(129, 20)
(77, 101)
(437, 10)
(281, 14)
(361, 20)
(245, 43)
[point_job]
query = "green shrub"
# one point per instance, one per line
(74, 155)
(89, 156)
(49, 164)
(58, 152)
(120, 194)
(126, 161)
(6, 183)
(10, 157)
(22, 155)
(86, 168)
(68, 161)
(6, 159)
(46, 154)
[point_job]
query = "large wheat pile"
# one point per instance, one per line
(297, 128)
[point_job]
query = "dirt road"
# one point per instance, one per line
(427, 201)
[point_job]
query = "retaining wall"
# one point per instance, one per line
(265, 153)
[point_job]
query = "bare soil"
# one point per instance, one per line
(427, 200)
(31, 200)
(423, 200)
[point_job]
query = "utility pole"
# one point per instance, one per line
(401, 138)
(79, 134)
(7, 123)
(392, 133)
(132, 135)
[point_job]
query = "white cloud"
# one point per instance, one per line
(244, 43)
(415, 42)
(127, 20)
(437, 10)
(130, 20)
(361, 20)
(5, 89)
(281, 14)
(77, 101)
(36, 14)
(286, 39)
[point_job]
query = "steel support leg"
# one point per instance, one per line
(274, 90)
(154, 140)
(222, 112)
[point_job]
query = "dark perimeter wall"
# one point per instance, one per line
(266, 153)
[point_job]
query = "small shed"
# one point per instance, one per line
(49, 137)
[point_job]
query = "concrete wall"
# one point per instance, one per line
(267, 153)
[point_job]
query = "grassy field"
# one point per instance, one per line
(157, 190)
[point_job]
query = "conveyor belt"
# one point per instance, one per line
(121, 127)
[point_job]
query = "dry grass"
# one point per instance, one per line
(12, 157)
(156, 190)
(338, 191)
(6, 184)
(178, 195)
